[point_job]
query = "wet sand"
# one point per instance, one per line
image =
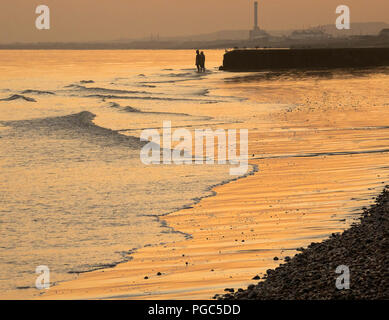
(322, 155)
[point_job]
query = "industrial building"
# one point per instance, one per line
(257, 33)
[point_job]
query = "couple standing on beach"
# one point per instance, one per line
(200, 61)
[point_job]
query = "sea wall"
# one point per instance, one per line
(262, 59)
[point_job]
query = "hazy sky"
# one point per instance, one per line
(89, 20)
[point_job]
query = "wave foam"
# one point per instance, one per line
(17, 97)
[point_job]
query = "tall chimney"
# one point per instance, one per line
(256, 15)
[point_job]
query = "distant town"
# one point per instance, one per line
(367, 34)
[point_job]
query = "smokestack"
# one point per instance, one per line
(256, 15)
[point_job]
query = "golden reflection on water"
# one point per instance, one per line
(320, 142)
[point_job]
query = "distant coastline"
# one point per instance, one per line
(360, 35)
(357, 42)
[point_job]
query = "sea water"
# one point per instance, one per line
(74, 194)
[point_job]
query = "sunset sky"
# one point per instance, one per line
(91, 20)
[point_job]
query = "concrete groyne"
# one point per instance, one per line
(265, 59)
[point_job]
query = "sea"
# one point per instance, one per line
(75, 196)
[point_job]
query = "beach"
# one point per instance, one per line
(183, 156)
(361, 251)
(318, 155)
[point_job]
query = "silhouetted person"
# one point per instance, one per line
(198, 61)
(202, 61)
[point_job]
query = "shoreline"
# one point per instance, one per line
(311, 274)
(83, 286)
(160, 219)
(294, 201)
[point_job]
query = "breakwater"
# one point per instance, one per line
(264, 59)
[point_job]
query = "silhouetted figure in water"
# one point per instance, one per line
(202, 61)
(198, 61)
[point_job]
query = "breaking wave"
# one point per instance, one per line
(126, 108)
(37, 92)
(98, 90)
(79, 125)
(110, 96)
(18, 97)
